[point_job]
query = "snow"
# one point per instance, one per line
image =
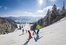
(54, 34)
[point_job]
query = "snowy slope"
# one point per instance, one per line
(13, 38)
(54, 34)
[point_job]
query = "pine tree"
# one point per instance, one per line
(54, 13)
(48, 17)
(54, 7)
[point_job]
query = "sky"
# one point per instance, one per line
(27, 7)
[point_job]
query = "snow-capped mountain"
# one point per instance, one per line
(25, 19)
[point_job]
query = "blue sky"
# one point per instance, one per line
(27, 7)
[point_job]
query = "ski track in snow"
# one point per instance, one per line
(54, 34)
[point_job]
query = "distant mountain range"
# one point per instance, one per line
(25, 19)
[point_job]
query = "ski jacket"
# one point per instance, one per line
(38, 27)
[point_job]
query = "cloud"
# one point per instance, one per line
(4, 7)
(18, 13)
(44, 11)
(38, 13)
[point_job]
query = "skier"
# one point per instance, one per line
(33, 28)
(28, 38)
(19, 27)
(22, 30)
(38, 27)
(29, 34)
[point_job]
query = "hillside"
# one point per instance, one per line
(6, 25)
(52, 16)
(54, 34)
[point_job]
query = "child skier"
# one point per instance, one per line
(29, 34)
(22, 30)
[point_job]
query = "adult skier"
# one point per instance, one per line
(38, 27)
(33, 28)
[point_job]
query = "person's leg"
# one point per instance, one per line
(38, 31)
(34, 32)
(30, 35)
(37, 35)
